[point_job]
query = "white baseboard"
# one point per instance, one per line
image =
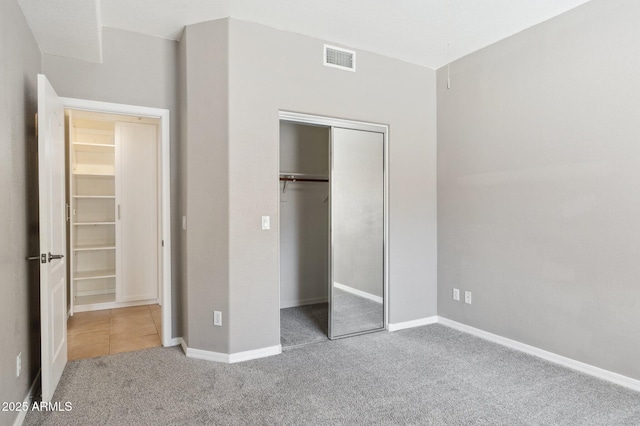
(414, 323)
(228, 358)
(357, 292)
(201, 354)
(23, 414)
(207, 355)
(175, 341)
(255, 354)
(183, 345)
(303, 302)
(591, 370)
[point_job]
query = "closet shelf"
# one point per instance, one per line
(95, 299)
(109, 175)
(95, 175)
(93, 223)
(94, 247)
(93, 147)
(94, 275)
(95, 197)
(303, 177)
(94, 131)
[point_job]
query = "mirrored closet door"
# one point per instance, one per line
(357, 232)
(332, 228)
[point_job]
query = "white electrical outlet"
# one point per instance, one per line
(184, 223)
(266, 223)
(217, 318)
(467, 297)
(456, 294)
(18, 364)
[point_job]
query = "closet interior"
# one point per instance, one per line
(332, 231)
(113, 211)
(304, 233)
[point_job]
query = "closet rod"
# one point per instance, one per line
(302, 177)
(295, 179)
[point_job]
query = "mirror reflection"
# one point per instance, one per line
(331, 232)
(357, 231)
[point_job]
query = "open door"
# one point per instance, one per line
(52, 219)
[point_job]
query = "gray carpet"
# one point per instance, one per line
(429, 375)
(354, 314)
(303, 325)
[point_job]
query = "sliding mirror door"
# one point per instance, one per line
(357, 232)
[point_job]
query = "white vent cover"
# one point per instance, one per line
(337, 57)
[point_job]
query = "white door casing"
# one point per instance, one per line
(164, 180)
(52, 222)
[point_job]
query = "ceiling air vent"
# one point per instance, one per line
(337, 57)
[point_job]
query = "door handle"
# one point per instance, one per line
(55, 256)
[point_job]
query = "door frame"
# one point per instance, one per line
(164, 182)
(324, 121)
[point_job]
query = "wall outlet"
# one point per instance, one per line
(266, 223)
(184, 223)
(217, 318)
(467, 297)
(456, 294)
(18, 364)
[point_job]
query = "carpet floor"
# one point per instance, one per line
(353, 314)
(430, 375)
(302, 325)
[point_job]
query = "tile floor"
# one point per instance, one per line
(111, 331)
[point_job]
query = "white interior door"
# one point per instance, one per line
(137, 216)
(52, 220)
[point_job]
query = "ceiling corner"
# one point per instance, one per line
(69, 28)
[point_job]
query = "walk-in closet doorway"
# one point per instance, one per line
(133, 183)
(114, 243)
(93, 153)
(333, 218)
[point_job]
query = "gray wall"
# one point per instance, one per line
(538, 182)
(136, 70)
(304, 149)
(181, 159)
(304, 210)
(207, 183)
(20, 301)
(271, 70)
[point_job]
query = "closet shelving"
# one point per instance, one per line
(301, 177)
(114, 211)
(93, 211)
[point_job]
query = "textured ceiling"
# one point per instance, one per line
(66, 27)
(416, 31)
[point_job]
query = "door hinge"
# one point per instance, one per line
(43, 258)
(162, 243)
